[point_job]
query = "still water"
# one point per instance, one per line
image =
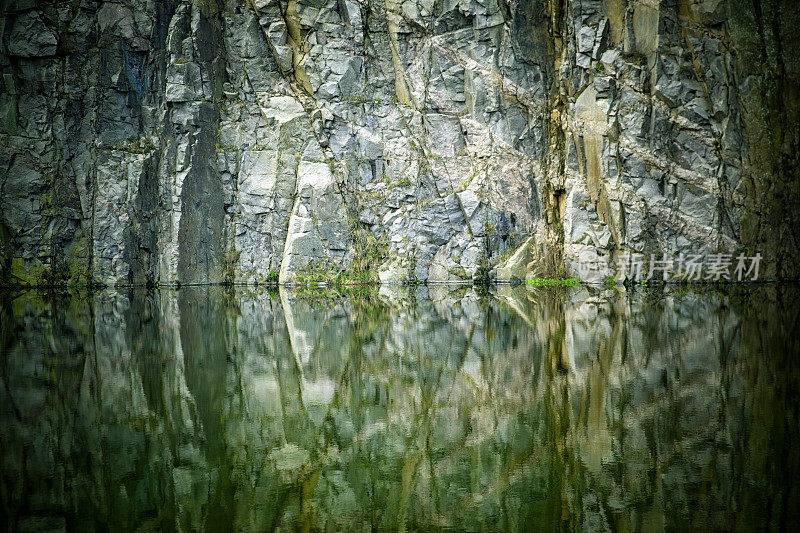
(424, 409)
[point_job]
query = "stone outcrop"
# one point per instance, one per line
(230, 140)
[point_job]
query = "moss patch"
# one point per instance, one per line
(554, 282)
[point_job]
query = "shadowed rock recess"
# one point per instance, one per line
(231, 140)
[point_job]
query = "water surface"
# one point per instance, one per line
(434, 409)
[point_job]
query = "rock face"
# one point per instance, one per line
(211, 140)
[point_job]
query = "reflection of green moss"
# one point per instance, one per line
(326, 278)
(331, 293)
(554, 282)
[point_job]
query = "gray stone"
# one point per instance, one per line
(30, 37)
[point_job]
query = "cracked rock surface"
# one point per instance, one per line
(223, 140)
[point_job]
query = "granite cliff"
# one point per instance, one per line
(230, 140)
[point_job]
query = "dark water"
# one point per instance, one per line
(435, 409)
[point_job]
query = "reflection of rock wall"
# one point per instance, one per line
(211, 140)
(190, 409)
(670, 387)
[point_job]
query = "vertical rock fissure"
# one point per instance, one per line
(201, 247)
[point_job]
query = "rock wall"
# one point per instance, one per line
(231, 140)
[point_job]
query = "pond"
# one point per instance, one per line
(430, 408)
